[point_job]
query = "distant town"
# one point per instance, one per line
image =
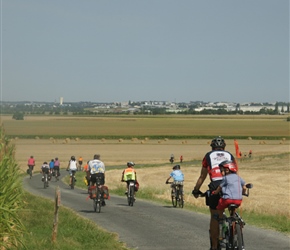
(61, 107)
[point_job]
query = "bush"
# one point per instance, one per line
(18, 116)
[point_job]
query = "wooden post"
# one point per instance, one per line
(55, 222)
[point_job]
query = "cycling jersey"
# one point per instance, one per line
(31, 162)
(129, 174)
(96, 166)
(72, 165)
(177, 175)
(212, 160)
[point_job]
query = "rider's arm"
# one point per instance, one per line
(217, 190)
(168, 179)
(202, 177)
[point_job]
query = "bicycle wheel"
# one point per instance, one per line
(132, 191)
(180, 198)
(173, 199)
(72, 182)
(45, 181)
(239, 234)
(98, 201)
(30, 172)
(236, 240)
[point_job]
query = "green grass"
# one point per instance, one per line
(74, 231)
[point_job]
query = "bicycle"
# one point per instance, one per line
(45, 180)
(131, 193)
(56, 174)
(97, 195)
(30, 167)
(231, 227)
(177, 197)
(73, 179)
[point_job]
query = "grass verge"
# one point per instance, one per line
(74, 231)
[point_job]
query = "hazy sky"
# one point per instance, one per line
(166, 50)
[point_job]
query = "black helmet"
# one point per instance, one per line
(73, 158)
(228, 164)
(130, 164)
(176, 167)
(218, 142)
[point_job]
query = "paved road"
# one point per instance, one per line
(148, 225)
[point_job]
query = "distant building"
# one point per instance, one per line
(61, 100)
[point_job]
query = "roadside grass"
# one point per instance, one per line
(74, 231)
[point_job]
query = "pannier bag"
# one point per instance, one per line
(93, 192)
(27, 171)
(136, 186)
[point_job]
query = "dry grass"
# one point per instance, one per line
(267, 169)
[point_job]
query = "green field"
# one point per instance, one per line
(257, 127)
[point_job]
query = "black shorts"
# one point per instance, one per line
(98, 178)
(213, 199)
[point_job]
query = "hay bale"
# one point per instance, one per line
(165, 139)
(36, 137)
(146, 139)
(51, 138)
(120, 140)
(249, 138)
(283, 139)
(142, 142)
(159, 141)
(77, 139)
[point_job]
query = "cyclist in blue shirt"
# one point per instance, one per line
(177, 176)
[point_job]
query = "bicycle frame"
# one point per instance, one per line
(177, 196)
(98, 200)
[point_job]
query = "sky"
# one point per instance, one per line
(150, 50)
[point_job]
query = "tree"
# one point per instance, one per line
(18, 116)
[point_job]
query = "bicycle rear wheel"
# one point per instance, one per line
(180, 197)
(132, 191)
(173, 199)
(236, 237)
(72, 186)
(98, 202)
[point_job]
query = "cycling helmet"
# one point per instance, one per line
(45, 162)
(229, 165)
(73, 158)
(130, 164)
(176, 167)
(218, 142)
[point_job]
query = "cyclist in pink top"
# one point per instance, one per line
(31, 163)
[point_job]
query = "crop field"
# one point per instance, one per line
(154, 127)
(267, 169)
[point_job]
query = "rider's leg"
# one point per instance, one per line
(214, 226)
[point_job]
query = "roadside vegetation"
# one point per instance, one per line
(74, 231)
(11, 228)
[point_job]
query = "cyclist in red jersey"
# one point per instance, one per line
(31, 163)
(210, 166)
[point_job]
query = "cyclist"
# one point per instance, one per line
(171, 159)
(45, 170)
(97, 170)
(31, 163)
(210, 166)
(51, 166)
(80, 163)
(232, 186)
(56, 166)
(72, 168)
(129, 174)
(178, 178)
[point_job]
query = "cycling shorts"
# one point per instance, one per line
(224, 203)
(99, 176)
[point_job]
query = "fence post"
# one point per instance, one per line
(56, 206)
